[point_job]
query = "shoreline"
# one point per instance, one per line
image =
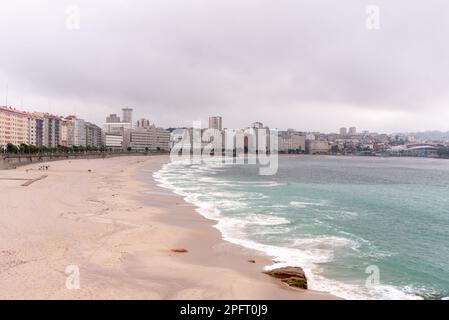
(225, 253)
(119, 227)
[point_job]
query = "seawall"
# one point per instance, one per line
(14, 161)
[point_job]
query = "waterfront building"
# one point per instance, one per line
(143, 123)
(113, 140)
(93, 135)
(112, 118)
(151, 138)
(317, 147)
(291, 141)
(310, 136)
(51, 129)
(127, 115)
(64, 132)
(116, 127)
(353, 131)
(13, 126)
(216, 123)
(35, 129)
(257, 125)
(76, 132)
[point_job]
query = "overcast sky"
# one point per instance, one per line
(310, 65)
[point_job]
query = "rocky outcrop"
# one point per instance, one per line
(293, 276)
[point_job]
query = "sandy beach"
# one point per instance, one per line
(108, 218)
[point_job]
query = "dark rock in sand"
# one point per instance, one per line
(179, 250)
(252, 261)
(293, 276)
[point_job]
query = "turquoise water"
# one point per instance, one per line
(335, 217)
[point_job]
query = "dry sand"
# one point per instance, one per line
(118, 227)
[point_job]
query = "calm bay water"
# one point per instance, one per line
(334, 216)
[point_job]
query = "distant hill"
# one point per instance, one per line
(431, 135)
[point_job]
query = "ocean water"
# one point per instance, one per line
(339, 218)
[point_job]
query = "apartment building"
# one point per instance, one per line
(50, 133)
(116, 127)
(216, 123)
(113, 140)
(76, 132)
(13, 126)
(291, 142)
(93, 135)
(317, 146)
(35, 129)
(151, 138)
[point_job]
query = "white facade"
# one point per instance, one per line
(113, 118)
(216, 123)
(143, 123)
(113, 140)
(291, 142)
(13, 126)
(127, 115)
(76, 133)
(147, 139)
(51, 131)
(93, 135)
(116, 127)
(317, 146)
(257, 125)
(353, 130)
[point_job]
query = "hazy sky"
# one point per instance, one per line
(308, 65)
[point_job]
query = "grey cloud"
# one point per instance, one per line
(284, 62)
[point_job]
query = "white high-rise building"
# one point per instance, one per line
(51, 131)
(13, 126)
(113, 118)
(127, 115)
(257, 125)
(353, 130)
(216, 123)
(76, 133)
(114, 127)
(150, 138)
(343, 131)
(143, 123)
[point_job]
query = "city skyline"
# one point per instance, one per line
(311, 67)
(205, 122)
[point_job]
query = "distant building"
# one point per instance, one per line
(64, 132)
(35, 129)
(310, 136)
(291, 142)
(317, 147)
(116, 127)
(51, 129)
(415, 150)
(81, 133)
(113, 141)
(127, 115)
(343, 131)
(257, 125)
(143, 123)
(93, 135)
(143, 139)
(353, 131)
(113, 118)
(216, 123)
(13, 126)
(76, 132)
